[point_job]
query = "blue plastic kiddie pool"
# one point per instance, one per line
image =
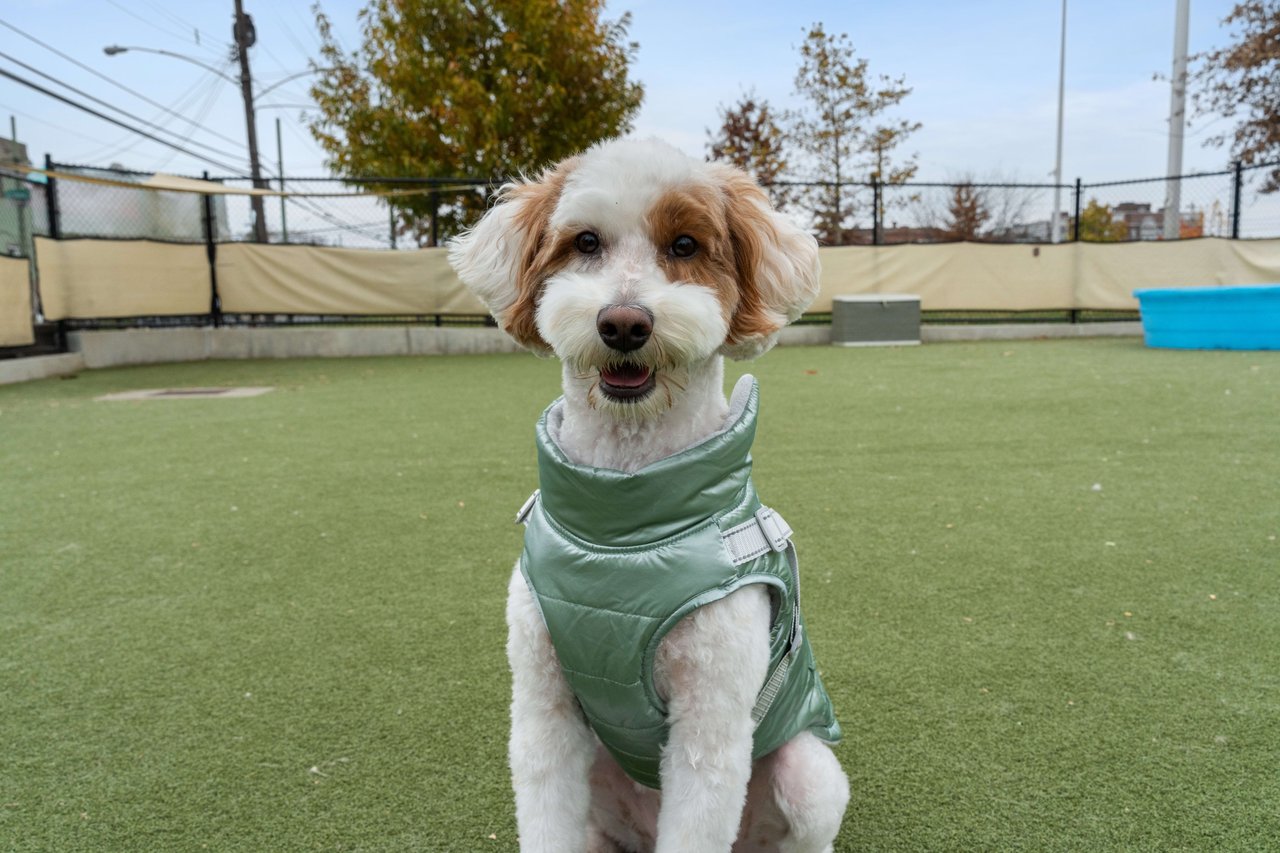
(1246, 318)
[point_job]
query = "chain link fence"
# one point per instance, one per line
(373, 213)
(978, 212)
(1259, 212)
(407, 213)
(24, 215)
(117, 211)
(366, 213)
(1215, 204)
(1205, 205)
(398, 213)
(24, 212)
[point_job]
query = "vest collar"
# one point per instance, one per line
(668, 497)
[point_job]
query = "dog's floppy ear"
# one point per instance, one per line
(776, 265)
(499, 259)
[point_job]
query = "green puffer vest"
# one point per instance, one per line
(615, 560)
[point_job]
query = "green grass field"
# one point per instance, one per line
(1042, 580)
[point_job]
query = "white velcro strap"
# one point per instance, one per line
(527, 507)
(766, 531)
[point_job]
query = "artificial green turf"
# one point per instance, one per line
(276, 623)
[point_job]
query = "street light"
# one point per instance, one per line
(114, 49)
(291, 77)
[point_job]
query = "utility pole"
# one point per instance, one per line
(1177, 123)
(245, 37)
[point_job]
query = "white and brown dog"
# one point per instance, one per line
(636, 248)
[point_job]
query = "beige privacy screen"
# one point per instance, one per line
(953, 276)
(121, 278)
(1110, 272)
(15, 303)
(975, 276)
(255, 279)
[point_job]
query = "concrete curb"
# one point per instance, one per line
(13, 370)
(120, 347)
(929, 334)
(113, 348)
(1029, 331)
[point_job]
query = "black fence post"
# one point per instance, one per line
(1076, 231)
(1237, 186)
(877, 221)
(51, 200)
(435, 218)
(211, 251)
(391, 222)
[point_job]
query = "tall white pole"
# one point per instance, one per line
(1055, 235)
(284, 220)
(1177, 123)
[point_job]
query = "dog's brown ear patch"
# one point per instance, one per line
(776, 264)
(751, 231)
(541, 254)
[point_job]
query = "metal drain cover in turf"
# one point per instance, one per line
(184, 394)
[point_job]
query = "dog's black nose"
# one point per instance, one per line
(624, 327)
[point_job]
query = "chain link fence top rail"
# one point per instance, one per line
(403, 213)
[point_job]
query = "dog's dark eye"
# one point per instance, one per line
(587, 243)
(684, 246)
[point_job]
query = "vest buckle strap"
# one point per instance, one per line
(527, 507)
(771, 689)
(775, 530)
(764, 532)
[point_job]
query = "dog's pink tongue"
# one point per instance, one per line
(625, 375)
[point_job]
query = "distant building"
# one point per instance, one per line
(1024, 232)
(894, 235)
(1143, 223)
(1147, 224)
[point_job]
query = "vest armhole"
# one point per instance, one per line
(776, 589)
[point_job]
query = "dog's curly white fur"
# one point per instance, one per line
(699, 266)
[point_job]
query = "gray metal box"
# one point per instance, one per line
(875, 319)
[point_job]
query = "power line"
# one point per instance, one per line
(155, 26)
(42, 90)
(182, 22)
(109, 106)
(128, 141)
(210, 97)
(288, 32)
(308, 26)
(48, 123)
(309, 204)
(115, 83)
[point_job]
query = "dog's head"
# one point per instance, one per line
(633, 261)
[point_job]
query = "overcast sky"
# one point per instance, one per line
(984, 75)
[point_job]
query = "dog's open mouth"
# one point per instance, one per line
(627, 382)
